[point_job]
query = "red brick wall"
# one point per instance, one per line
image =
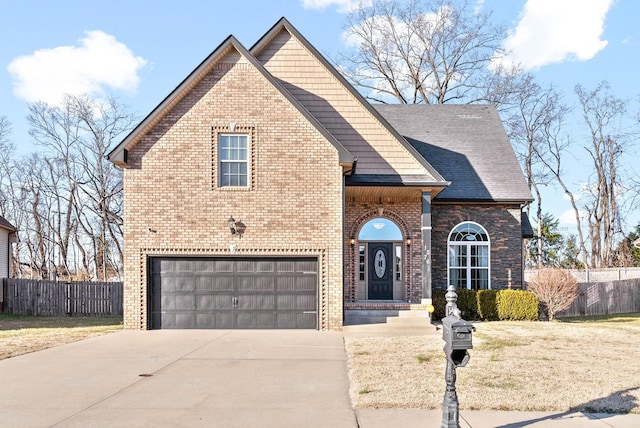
(502, 223)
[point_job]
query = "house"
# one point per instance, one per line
(266, 192)
(7, 237)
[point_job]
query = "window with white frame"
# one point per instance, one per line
(468, 257)
(233, 158)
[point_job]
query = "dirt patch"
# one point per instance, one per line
(23, 334)
(530, 366)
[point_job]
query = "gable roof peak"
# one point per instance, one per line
(119, 154)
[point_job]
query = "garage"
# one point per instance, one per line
(233, 293)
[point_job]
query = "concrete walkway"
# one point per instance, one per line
(218, 378)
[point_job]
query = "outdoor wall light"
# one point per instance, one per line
(352, 241)
(232, 225)
(408, 241)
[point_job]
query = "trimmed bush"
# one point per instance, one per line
(487, 305)
(468, 304)
(439, 304)
(517, 305)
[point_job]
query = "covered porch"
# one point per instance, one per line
(387, 252)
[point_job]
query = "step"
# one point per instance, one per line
(388, 316)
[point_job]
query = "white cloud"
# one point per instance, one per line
(343, 5)
(97, 63)
(552, 31)
(569, 217)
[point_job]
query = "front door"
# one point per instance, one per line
(380, 275)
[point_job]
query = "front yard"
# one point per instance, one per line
(580, 364)
(21, 334)
(572, 364)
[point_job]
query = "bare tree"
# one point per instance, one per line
(422, 51)
(556, 289)
(85, 190)
(603, 114)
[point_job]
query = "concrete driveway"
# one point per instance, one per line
(182, 378)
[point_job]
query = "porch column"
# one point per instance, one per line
(426, 247)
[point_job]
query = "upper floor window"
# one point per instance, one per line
(468, 255)
(234, 160)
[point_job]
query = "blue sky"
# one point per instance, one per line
(139, 51)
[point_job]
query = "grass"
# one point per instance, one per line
(584, 364)
(20, 334)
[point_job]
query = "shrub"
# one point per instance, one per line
(467, 303)
(487, 305)
(517, 305)
(439, 304)
(555, 288)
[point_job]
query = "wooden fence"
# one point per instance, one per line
(51, 298)
(605, 298)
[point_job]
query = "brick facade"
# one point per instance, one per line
(173, 205)
(502, 223)
(406, 214)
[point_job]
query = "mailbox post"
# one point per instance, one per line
(457, 336)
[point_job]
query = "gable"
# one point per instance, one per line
(341, 110)
(228, 53)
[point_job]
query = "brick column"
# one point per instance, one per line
(426, 247)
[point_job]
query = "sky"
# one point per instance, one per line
(138, 51)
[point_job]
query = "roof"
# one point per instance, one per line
(430, 176)
(467, 145)
(119, 154)
(4, 223)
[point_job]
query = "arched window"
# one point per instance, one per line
(380, 229)
(469, 264)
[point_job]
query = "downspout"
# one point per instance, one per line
(344, 206)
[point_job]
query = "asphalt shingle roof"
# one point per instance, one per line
(4, 223)
(467, 145)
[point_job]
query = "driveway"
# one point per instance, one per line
(182, 378)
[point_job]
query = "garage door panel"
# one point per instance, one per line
(184, 282)
(245, 266)
(168, 303)
(185, 320)
(306, 266)
(205, 320)
(223, 283)
(222, 301)
(224, 319)
(296, 320)
(204, 302)
(185, 302)
(293, 302)
(230, 292)
(223, 265)
(283, 266)
(255, 302)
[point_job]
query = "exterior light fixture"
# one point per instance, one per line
(352, 241)
(408, 241)
(232, 225)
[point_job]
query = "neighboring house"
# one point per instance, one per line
(7, 237)
(266, 192)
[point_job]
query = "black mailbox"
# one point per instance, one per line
(457, 336)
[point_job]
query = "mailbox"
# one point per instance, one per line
(457, 336)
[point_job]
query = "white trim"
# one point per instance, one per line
(469, 244)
